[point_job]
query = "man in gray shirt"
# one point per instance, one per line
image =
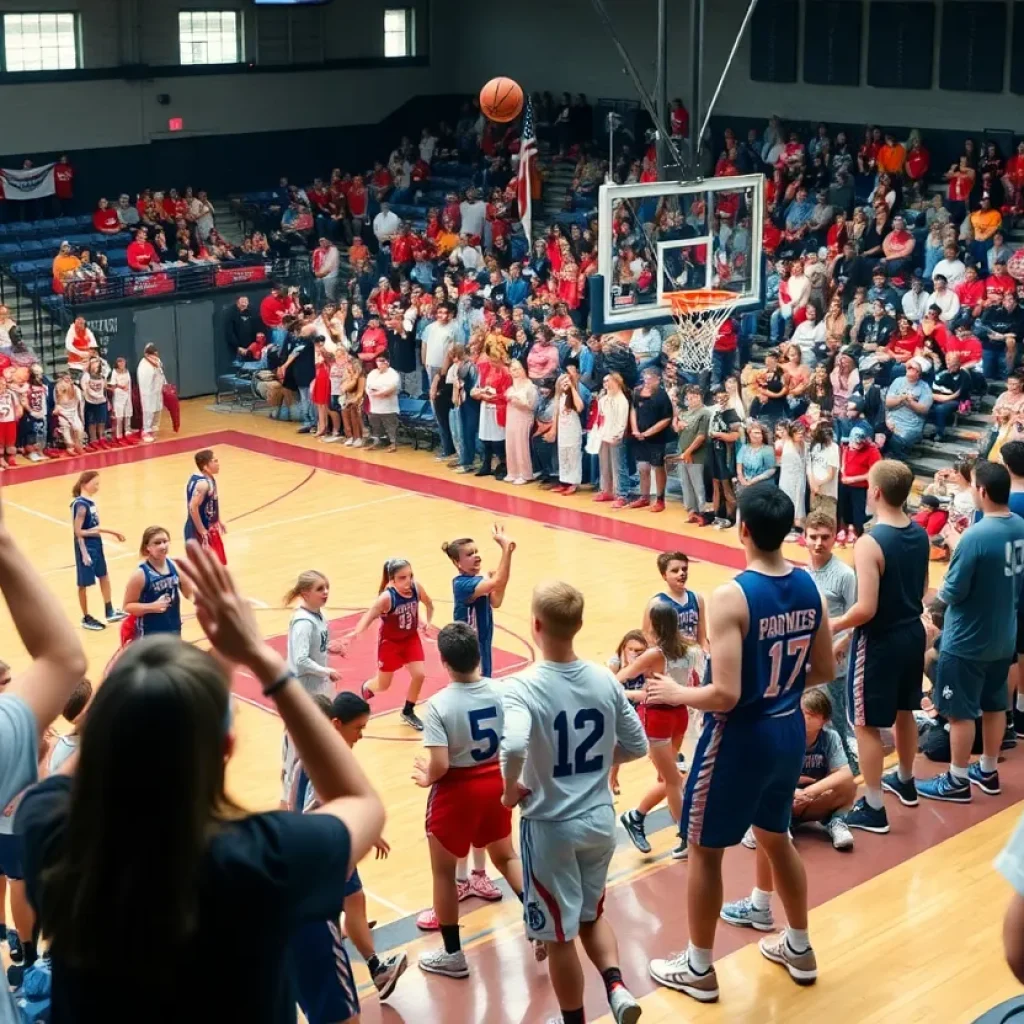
(691, 424)
(838, 585)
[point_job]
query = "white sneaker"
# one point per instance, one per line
(35, 457)
(148, 439)
(840, 834)
(675, 973)
(749, 840)
(349, 441)
(451, 965)
(625, 1009)
(331, 438)
(358, 442)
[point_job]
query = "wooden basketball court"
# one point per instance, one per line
(906, 927)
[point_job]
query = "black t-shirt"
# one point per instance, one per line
(774, 385)
(949, 383)
(651, 410)
(402, 350)
(263, 876)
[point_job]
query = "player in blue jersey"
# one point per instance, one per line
(1012, 457)
(674, 567)
(769, 639)
(202, 505)
(90, 563)
(476, 594)
(152, 598)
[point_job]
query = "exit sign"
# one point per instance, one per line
(175, 124)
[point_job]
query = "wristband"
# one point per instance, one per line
(277, 684)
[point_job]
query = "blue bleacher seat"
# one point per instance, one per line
(29, 245)
(39, 286)
(78, 239)
(450, 170)
(46, 227)
(54, 303)
(66, 223)
(22, 268)
(116, 257)
(21, 229)
(83, 220)
(9, 251)
(124, 271)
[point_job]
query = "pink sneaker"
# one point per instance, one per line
(480, 885)
(620, 503)
(427, 921)
(601, 496)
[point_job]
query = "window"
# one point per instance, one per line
(209, 37)
(399, 32)
(40, 42)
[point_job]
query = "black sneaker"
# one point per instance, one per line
(304, 430)
(117, 616)
(680, 851)
(987, 782)
(410, 718)
(906, 791)
(15, 948)
(635, 830)
(864, 816)
(681, 763)
(1018, 723)
(88, 622)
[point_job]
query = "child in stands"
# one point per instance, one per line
(68, 402)
(36, 405)
(10, 413)
(94, 391)
(120, 385)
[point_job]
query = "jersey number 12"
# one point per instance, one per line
(580, 764)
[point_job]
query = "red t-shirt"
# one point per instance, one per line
(401, 248)
(382, 178)
(680, 121)
(63, 180)
(141, 255)
(918, 161)
(959, 187)
(726, 340)
(970, 293)
(357, 201)
(999, 285)
(900, 346)
(858, 461)
(969, 350)
(106, 220)
(273, 309)
(373, 342)
(319, 198)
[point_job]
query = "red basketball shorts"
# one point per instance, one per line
(395, 654)
(661, 722)
(215, 542)
(464, 809)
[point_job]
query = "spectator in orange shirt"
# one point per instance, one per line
(65, 263)
(985, 222)
(891, 156)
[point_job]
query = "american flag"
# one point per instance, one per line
(524, 184)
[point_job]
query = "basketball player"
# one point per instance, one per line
(1012, 456)
(769, 639)
(674, 567)
(461, 730)
(477, 595)
(203, 506)
(566, 722)
(883, 680)
(152, 596)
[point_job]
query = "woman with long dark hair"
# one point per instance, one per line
(145, 845)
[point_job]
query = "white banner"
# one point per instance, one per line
(35, 183)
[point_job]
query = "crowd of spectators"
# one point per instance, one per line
(892, 309)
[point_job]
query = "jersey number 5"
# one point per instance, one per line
(480, 734)
(581, 764)
(796, 647)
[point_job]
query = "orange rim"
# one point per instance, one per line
(700, 300)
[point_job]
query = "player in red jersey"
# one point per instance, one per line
(399, 644)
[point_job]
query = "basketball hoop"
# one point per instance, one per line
(699, 314)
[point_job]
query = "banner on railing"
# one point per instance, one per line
(35, 183)
(159, 283)
(228, 276)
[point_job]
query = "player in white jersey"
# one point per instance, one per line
(461, 731)
(566, 722)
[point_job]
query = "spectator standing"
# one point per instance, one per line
(382, 384)
(473, 211)
(151, 381)
(823, 471)
(724, 431)
(650, 425)
(612, 426)
(326, 267)
(240, 328)
(64, 187)
(492, 386)
(857, 457)
(522, 400)
(79, 343)
(692, 424)
(981, 592)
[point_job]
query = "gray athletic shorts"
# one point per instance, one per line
(565, 868)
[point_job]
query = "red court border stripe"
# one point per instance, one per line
(627, 529)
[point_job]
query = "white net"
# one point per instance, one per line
(698, 327)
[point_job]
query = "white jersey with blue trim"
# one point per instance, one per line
(566, 719)
(468, 719)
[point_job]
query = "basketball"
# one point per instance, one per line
(501, 100)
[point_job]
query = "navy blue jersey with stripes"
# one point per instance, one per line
(209, 507)
(688, 611)
(90, 521)
(158, 584)
(785, 613)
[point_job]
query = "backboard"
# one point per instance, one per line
(662, 236)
